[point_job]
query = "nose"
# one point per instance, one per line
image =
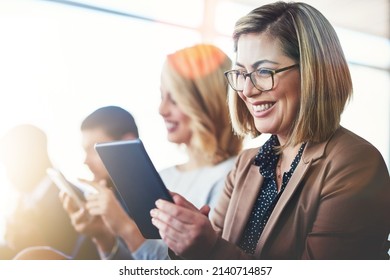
(249, 88)
(163, 108)
(87, 159)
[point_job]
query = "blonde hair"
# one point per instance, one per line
(307, 37)
(196, 82)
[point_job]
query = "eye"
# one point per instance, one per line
(263, 72)
(171, 100)
(239, 72)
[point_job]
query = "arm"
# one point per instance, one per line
(352, 217)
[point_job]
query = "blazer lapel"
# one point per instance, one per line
(312, 152)
(244, 205)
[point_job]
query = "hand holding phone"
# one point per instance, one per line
(75, 188)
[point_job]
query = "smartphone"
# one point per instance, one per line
(76, 189)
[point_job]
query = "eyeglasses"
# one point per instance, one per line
(262, 78)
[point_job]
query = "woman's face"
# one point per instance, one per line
(176, 122)
(274, 111)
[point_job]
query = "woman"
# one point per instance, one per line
(314, 190)
(194, 108)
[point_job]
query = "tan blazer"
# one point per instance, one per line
(335, 206)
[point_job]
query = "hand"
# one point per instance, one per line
(80, 218)
(84, 223)
(106, 205)
(186, 230)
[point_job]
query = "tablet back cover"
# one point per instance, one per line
(136, 180)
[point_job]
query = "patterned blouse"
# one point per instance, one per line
(268, 196)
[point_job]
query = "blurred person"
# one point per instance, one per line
(105, 124)
(314, 190)
(38, 218)
(194, 109)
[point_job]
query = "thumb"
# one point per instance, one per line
(101, 185)
(205, 210)
(91, 187)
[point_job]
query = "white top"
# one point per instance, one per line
(200, 186)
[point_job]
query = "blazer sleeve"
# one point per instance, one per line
(352, 219)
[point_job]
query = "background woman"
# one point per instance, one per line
(195, 111)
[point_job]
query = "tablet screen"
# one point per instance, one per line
(136, 180)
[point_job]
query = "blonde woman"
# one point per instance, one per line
(195, 111)
(314, 190)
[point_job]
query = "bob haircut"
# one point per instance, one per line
(194, 78)
(307, 37)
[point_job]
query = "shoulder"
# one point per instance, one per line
(348, 146)
(347, 157)
(342, 146)
(225, 165)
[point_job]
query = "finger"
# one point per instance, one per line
(62, 195)
(69, 204)
(85, 181)
(205, 210)
(92, 197)
(167, 232)
(80, 216)
(95, 208)
(174, 239)
(103, 193)
(174, 219)
(180, 200)
(100, 186)
(183, 213)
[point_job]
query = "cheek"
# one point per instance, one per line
(242, 99)
(242, 96)
(181, 117)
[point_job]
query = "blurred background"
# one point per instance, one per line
(60, 60)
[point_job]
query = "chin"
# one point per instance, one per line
(265, 130)
(174, 139)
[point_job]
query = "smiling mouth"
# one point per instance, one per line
(262, 107)
(171, 126)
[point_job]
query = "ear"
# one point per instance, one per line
(129, 136)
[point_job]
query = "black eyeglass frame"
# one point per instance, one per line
(272, 73)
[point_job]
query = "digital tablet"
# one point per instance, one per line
(136, 180)
(76, 189)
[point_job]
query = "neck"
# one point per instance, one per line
(286, 157)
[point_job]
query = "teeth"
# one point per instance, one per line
(262, 107)
(169, 125)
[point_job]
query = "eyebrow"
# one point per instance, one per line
(257, 63)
